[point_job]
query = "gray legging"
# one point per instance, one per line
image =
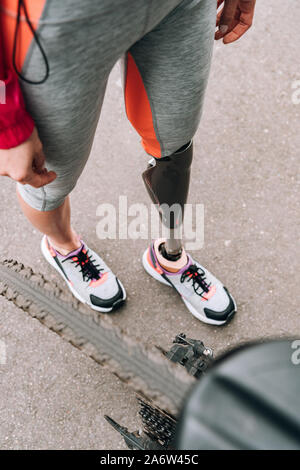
(166, 46)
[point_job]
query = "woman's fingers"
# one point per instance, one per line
(39, 161)
(218, 18)
(244, 23)
(228, 14)
(37, 180)
(225, 18)
(236, 33)
(234, 24)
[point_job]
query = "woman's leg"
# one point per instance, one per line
(56, 224)
(166, 77)
(82, 41)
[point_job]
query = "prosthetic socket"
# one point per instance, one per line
(167, 182)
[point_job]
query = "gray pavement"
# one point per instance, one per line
(245, 172)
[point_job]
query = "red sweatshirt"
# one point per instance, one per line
(16, 125)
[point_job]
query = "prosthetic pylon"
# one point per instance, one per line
(167, 182)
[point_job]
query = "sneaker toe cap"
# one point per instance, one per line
(226, 313)
(114, 299)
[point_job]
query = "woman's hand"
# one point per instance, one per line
(234, 19)
(25, 163)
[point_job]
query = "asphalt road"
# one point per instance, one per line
(245, 172)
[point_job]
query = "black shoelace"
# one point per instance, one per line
(87, 265)
(21, 4)
(197, 276)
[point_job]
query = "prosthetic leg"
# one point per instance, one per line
(167, 182)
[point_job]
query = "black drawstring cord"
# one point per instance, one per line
(21, 3)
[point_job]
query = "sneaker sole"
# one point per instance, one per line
(49, 258)
(190, 307)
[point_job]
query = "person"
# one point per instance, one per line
(54, 65)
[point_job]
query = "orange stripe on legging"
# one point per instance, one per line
(138, 108)
(8, 12)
